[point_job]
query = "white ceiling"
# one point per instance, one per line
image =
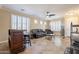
(40, 10)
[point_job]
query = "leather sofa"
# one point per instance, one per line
(48, 31)
(37, 33)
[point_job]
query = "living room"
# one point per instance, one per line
(47, 27)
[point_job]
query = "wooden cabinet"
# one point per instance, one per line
(16, 41)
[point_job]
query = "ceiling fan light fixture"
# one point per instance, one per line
(50, 14)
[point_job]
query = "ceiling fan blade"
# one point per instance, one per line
(52, 15)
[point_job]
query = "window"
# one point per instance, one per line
(56, 25)
(13, 21)
(19, 22)
(24, 23)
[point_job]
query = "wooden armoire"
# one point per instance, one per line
(16, 41)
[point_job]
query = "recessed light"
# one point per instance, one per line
(35, 21)
(41, 22)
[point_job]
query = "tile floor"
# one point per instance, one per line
(47, 45)
(44, 45)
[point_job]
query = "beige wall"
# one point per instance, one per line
(5, 16)
(37, 25)
(4, 24)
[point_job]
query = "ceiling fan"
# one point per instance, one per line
(50, 14)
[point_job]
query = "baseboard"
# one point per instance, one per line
(3, 41)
